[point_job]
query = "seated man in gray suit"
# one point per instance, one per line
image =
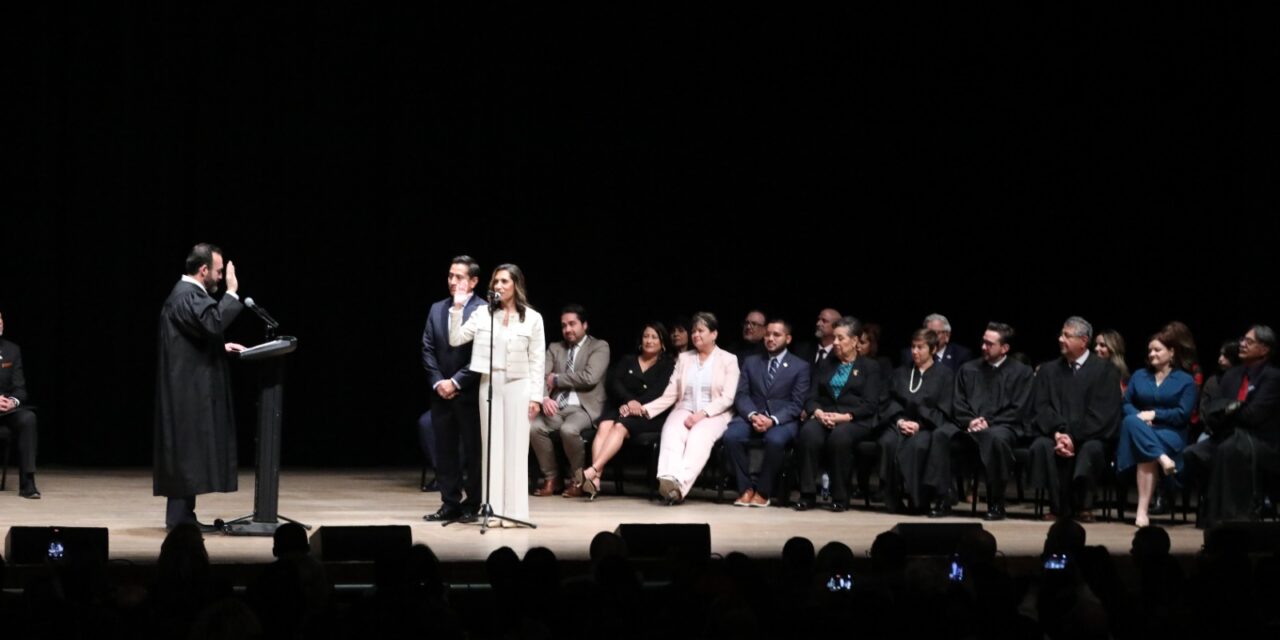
(575, 395)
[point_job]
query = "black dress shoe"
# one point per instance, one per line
(839, 506)
(805, 503)
(445, 514)
(29, 492)
(1159, 505)
(941, 509)
(995, 513)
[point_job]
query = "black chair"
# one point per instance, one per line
(6, 442)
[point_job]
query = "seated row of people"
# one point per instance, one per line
(1075, 413)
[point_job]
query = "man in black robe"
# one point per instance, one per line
(1241, 457)
(1077, 414)
(991, 398)
(17, 416)
(195, 433)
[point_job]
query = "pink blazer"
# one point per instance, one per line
(724, 383)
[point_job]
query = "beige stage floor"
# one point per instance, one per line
(121, 500)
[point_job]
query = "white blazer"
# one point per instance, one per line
(526, 344)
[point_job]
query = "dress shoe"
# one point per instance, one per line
(744, 500)
(805, 503)
(550, 487)
(839, 506)
(995, 512)
(669, 490)
(1159, 506)
(430, 485)
(573, 491)
(758, 500)
(444, 514)
(1086, 515)
(29, 492)
(941, 509)
(589, 486)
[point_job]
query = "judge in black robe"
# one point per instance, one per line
(17, 415)
(990, 403)
(195, 435)
(1243, 453)
(1077, 404)
(916, 443)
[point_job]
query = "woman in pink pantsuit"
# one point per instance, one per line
(702, 390)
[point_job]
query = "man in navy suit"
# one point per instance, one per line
(949, 354)
(771, 393)
(455, 407)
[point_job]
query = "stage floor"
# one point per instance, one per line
(121, 500)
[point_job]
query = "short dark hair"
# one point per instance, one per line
(1265, 335)
(473, 267)
(201, 256)
(577, 310)
(851, 323)
(929, 336)
(1006, 332)
(786, 326)
(707, 319)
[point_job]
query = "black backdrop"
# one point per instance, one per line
(1020, 163)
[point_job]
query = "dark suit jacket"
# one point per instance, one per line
(860, 395)
(784, 399)
(442, 360)
(13, 382)
(1086, 405)
(952, 358)
(1260, 411)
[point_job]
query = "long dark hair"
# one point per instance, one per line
(517, 281)
(664, 338)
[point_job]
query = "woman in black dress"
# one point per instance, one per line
(916, 460)
(636, 379)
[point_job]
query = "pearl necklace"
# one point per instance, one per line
(911, 382)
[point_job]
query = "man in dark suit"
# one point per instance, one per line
(1245, 443)
(19, 418)
(752, 336)
(1077, 414)
(195, 430)
(455, 407)
(771, 394)
(990, 404)
(949, 354)
(824, 338)
(574, 398)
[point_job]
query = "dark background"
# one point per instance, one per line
(1021, 164)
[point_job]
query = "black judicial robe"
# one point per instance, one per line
(195, 433)
(1086, 405)
(1002, 395)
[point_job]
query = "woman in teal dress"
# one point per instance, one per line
(1157, 411)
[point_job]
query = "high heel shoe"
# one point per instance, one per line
(589, 485)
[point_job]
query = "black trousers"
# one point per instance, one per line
(918, 466)
(833, 446)
(22, 425)
(995, 451)
(1232, 472)
(457, 422)
(179, 510)
(1068, 481)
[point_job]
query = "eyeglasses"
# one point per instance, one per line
(749, 323)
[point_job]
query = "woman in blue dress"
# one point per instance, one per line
(1157, 411)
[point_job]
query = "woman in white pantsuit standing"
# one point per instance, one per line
(519, 349)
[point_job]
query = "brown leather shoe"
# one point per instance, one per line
(744, 500)
(573, 491)
(550, 487)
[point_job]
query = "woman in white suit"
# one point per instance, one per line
(516, 372)
(702, 390)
